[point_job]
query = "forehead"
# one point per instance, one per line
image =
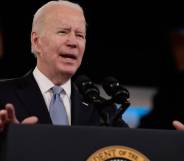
(65, 16)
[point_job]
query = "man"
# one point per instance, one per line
(58, 41)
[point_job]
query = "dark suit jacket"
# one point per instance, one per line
(26, 96)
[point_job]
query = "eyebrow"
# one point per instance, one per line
(68, 28)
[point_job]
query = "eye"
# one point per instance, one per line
(62, 32)
(80, 35)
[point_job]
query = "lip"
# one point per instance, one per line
(68, 56)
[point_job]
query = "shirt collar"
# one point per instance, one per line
(46, 84)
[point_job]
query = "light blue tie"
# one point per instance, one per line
(56, 109)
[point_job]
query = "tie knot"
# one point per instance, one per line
(57, 90)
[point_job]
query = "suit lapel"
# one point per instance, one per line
(79, 110)
(30, 94)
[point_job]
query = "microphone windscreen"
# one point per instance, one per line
(87, 88)
(113, 88)
(109, 85)
(81, 81)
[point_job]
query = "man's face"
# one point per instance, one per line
(61, 44)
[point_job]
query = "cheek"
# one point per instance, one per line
(50, 43)
(45, 46)
(82, 48)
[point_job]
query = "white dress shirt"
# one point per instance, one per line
(45, 85)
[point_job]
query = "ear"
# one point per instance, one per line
(35, 42)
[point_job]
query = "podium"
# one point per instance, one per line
(75, 143)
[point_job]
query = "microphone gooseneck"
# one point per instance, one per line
(119, 95)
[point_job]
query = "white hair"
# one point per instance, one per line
(39, 16)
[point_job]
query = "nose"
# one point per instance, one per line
(72, 40)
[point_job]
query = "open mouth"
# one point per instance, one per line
(68, 56)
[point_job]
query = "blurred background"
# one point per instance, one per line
(131, 41)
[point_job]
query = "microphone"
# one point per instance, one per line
(114, 89)
(89, 90)
(119, 95)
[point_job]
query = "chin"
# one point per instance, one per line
(69, 70)
(69, 73)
